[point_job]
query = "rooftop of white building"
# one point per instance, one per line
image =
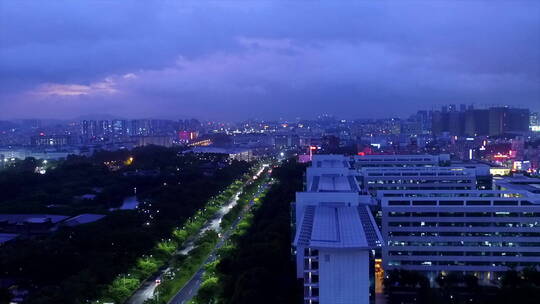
(338, 226)
(83, 219)
(331, 163)
(518, 182)
(333, 183)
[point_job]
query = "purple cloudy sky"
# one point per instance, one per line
(264, 59)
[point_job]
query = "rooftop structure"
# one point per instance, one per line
(517, 182)
(6, 237)
(338, 226)
(31, 218)
(331, 183)
(330, 189)
(42, 223)
(29, 223)
(337, 165)
(83, 219)
(340, 162)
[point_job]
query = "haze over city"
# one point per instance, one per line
(264, 59)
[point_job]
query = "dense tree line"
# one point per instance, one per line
(74, 264)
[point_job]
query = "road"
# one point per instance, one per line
(192, 286)
(146, 291)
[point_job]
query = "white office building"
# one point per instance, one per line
(422, 160)
(433, 220)
(336, 242)
(335, 235)
(482, 232)
(375, 179)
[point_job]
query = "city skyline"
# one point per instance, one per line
(240, 152)
(402, 116)
(266, 60)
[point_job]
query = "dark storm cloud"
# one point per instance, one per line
(265, 59)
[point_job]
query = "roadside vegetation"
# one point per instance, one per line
(256, 266)
(183, 267)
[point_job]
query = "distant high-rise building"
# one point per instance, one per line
(140, 127)
(281, 141)
(31, 123)
(159, 126)
(85, 128)
(534, 119)
(89, 128)
(424, 120)
(134, 127)
(504, 120)
(119, 127)
(518, 120)
(104, 127)
(93, 128)
(439, 122)
(330, 143)
(456, 123)
(411, 127)
(478, 122)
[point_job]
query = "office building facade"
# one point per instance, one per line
(482, 232)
